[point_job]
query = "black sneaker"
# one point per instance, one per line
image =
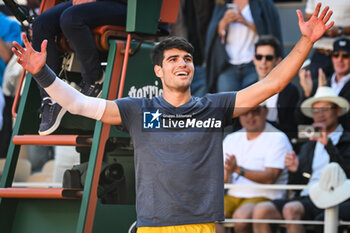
(51, 116)
(93, 90)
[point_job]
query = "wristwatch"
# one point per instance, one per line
(340, 31)
(241, 171)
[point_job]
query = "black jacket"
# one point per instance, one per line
(339, 153)
(286, 104)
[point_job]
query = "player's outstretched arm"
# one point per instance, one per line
(65, 95)
(282, 74)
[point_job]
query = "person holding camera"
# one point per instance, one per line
(332, 144)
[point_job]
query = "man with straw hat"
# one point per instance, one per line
(332, 145)
(339, 81)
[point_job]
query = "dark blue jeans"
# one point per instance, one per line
(76, 23)
(237, 77)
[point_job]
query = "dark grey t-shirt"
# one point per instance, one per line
(178, 157)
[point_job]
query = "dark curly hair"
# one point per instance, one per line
(157, 54)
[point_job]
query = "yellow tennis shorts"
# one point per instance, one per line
(190, 228)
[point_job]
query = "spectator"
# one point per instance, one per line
(75, 18)
(268, 53)
(332, 146)
(231, 35)
(340, 80)
(255, 154)
(10, 31)
(341, 17)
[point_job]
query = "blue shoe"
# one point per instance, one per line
(51, 116)
(93, 90)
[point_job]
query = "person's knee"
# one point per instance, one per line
(244, 212)
(293, 211)
(69, 20)
(40, 25)
(263, 210)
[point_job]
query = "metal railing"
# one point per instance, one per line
(331, 219)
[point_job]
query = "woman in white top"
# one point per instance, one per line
(232, 33)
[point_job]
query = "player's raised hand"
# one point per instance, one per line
(27, 57)
(316, 26)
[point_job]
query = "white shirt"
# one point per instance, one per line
(321, 158)
(240, 40)
(341, 17)
(338, 86)
(271, 104)
(266, 150)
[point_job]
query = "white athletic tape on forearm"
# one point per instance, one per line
(75, 102)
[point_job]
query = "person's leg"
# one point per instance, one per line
(46, 27)
(77, 23)
(228, 80)
(294, 210)
(266, 210)
(244, 212)
(249, 75)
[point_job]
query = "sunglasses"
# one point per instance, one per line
(337, 54)
(267, 57)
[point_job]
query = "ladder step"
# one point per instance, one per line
(59, 140)
(42, 193)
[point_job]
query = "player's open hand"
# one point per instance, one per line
(27, 57)
(316, 26)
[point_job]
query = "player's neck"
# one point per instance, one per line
(177, 98)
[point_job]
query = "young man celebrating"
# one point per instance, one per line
(179, 169)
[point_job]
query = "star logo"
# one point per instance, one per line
(151, 120)
(156, 115)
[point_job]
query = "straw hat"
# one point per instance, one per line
(324, 94)
(332, 188)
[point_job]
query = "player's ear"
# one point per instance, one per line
(158, 71)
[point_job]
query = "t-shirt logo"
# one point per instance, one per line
(151, 120)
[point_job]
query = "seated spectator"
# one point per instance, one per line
(75, 19)
(232, 32)
(333, 145)
(341, 16)
(268, 54)
(259, 158)
(339, 82)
